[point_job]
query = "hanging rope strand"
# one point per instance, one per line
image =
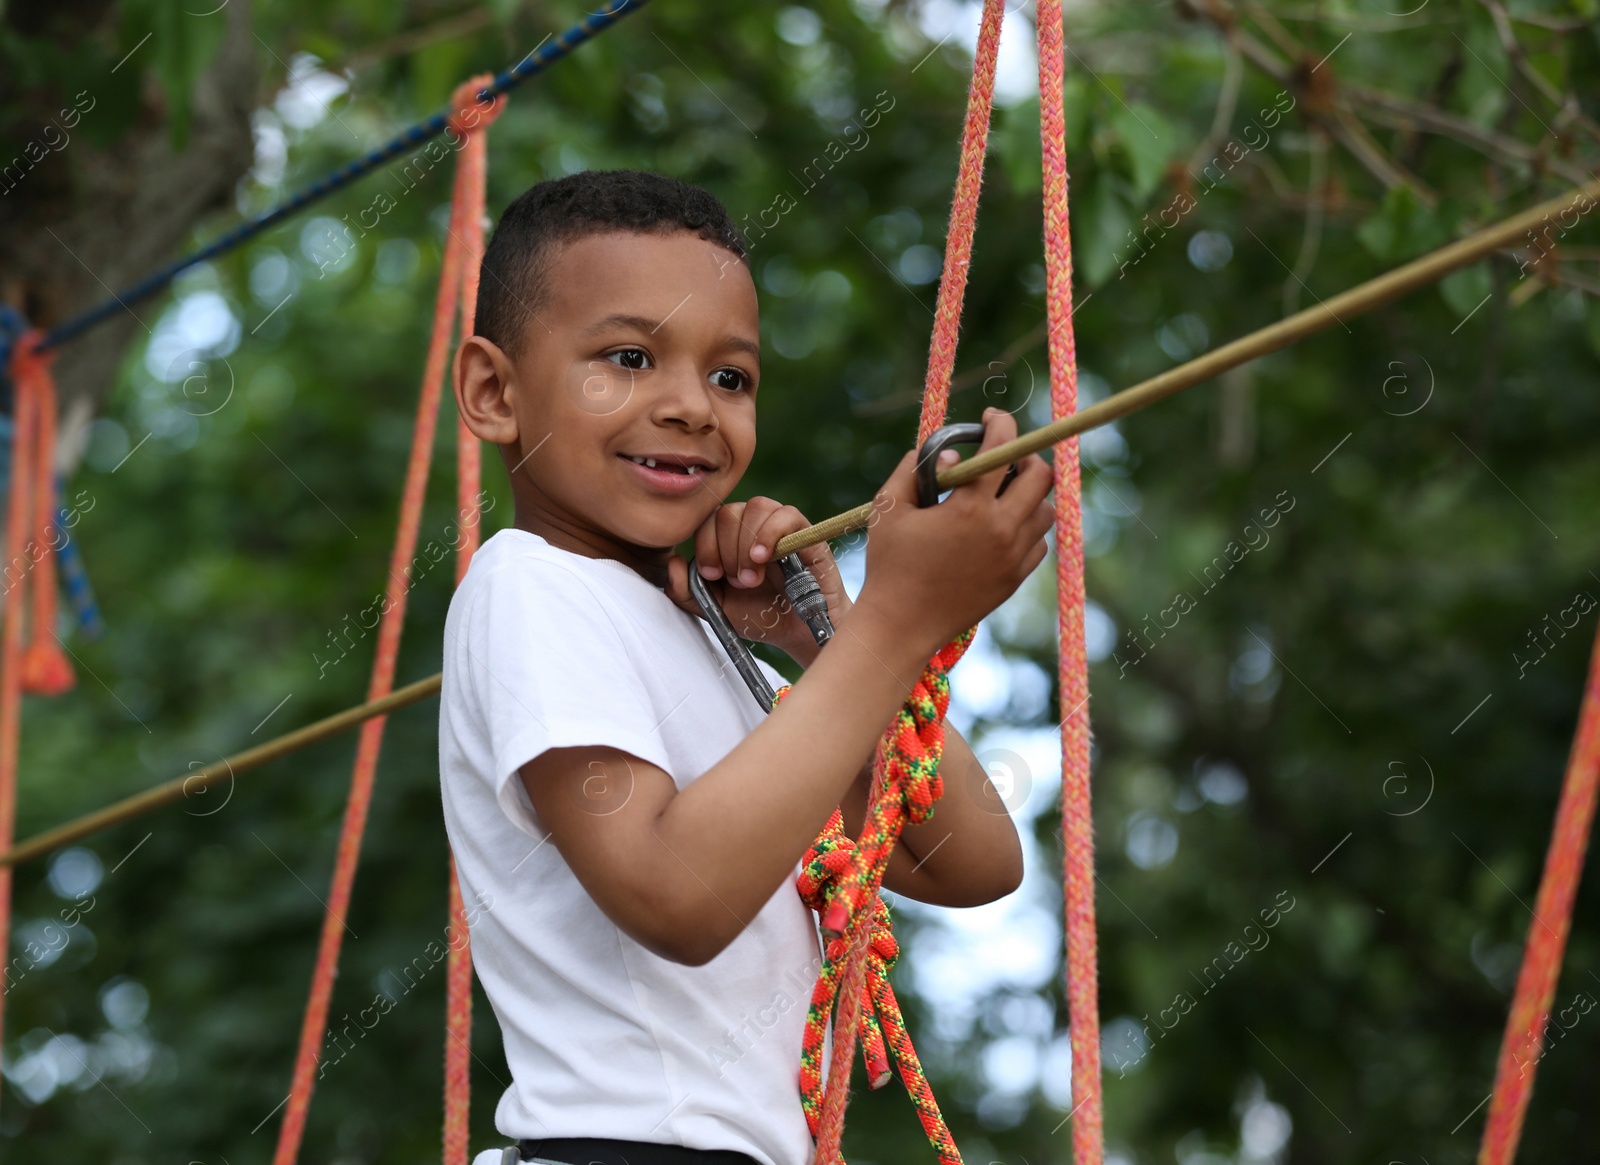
(1523, 1042)
(45, 668)
(314, 1028)
(471, 181)
(963, 225)
(1077, 821)
(885, 815)
(25, 375)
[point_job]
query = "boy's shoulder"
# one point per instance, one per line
(517, 582)
(514, 555)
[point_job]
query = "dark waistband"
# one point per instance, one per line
(598, 1151)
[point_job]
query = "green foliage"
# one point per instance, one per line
(182, 43)
(1364, 704)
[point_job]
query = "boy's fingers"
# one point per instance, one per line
(728, 519)
(758, 514)
(901, 487)
(782, 521)
(1030, 486)
(707, 556)
(999, 427)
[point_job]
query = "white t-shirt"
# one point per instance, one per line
(548, 649)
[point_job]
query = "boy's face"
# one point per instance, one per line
(645, 349)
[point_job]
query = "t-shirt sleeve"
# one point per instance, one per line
(547, 668)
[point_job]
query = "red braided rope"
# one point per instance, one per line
(963, 223)
(887, 801)
(1523, 1042)
(1077, 821)
(25, 375)
(314, 1027)
(471, 180)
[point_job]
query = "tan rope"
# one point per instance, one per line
(1359, 299)
(201, 779)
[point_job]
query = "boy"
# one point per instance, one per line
(627, 824)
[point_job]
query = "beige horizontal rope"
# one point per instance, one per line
(1359, 299)
(201, 779)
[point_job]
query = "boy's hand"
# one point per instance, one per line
(932, 573)
(733, 553)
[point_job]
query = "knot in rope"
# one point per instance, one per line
(906, 782)
(469, 114)
(830, 856)
(839, 879)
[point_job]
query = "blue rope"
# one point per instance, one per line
(73, 577)
(531, 65)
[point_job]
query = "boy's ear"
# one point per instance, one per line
(485, 384)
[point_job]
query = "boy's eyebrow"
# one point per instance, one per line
(644, 324)
(740, 344)
(622, 320)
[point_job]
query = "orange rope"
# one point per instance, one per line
(473, 119)
(471, 180)
(1523, 1042)
(45, 668)
(41, 667)
(24, 378)
(936, 394)
(1077, 820)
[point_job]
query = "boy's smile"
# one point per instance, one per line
(629, 413)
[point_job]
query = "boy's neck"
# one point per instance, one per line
(562, 532)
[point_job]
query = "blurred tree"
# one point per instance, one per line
(1341, 599)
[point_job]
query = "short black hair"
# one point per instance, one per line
(511, 283)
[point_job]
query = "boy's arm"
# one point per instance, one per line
(683, 873)
(967, 853)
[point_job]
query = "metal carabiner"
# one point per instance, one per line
(801, 586)
(803, 591)
(966, 433)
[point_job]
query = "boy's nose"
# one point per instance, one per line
(685, 400)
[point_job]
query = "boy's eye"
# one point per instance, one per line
(634, 359)
(730, 378)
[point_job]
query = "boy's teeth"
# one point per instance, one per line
(691, 470)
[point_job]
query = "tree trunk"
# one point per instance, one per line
(88, 220)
